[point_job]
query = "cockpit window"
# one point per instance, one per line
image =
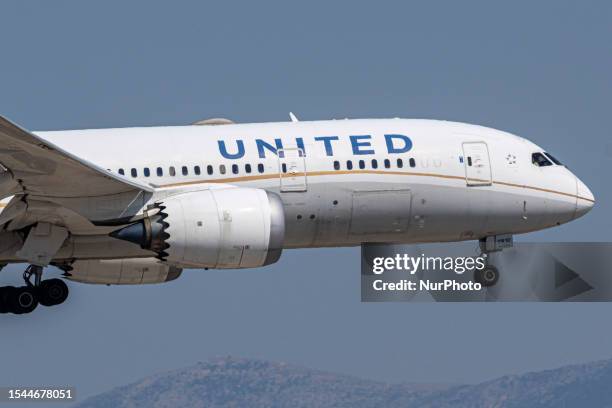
(553, 158)
(540, 160)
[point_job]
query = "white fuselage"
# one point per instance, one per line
(344, 182)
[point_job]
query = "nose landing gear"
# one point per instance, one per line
(26, 298)
(489, 275)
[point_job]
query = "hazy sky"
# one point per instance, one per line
(542, 70)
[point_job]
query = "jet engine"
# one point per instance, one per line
(135, 271)
(215, 228)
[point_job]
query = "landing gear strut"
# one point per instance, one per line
(24, 299)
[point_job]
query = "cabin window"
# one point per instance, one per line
(209, 169)
(540, 160)
(235, 168)
(196, 170)
(361, 164)
(222, 168)
(336, 165)
(184, 170)
(160, 172)
(400, 163)
(146, 172)
(172, 171)
(387, 163)
(260, 168)
(284, 167)
(412, 162)
(134, 173)
(122, 172)
(349, 165)
(374, 163)
(247, 168)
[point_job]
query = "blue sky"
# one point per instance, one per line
(538, 69)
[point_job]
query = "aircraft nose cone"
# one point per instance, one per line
(584, 200)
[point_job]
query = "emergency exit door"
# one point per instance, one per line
(477, 164)
(292, 169)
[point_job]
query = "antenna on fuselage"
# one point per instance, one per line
(293, 117)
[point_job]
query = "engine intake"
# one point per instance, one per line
(217, 228)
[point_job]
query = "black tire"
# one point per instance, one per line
(22, 300)
(52, 292)
(487, 277)
(4, 299)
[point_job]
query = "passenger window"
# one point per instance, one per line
(160, 172)
(196, 170)
(222, 168)
(412, 162)
(349, 165)
(374, 164)
(209, 169)
(540, 160)
(336, 165)
(247, 168)
(134, 173)
(361, 164)
(400, 163)
(553, 158)
(284, 167)
(184, 170)
(260, 168)
(122, 172)
(146, 172)
(235, 168)
(387, 163)
(172, 171)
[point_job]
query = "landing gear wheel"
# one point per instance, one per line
(22, 300)
(52, 292)
(487, 277)
(4, 299)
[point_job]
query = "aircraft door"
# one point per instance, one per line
(477, 164)
(292, 169)
(380, 213)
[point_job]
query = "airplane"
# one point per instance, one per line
(138, 205)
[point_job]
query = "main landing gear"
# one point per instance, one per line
(24, 299)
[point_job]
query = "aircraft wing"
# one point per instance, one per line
(45, 170)
(46, 180)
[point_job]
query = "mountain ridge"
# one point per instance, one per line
(240, 382)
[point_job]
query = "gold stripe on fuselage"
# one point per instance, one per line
(336, 172)
(383, 172)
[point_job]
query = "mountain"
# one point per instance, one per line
(239, 382)
(582, 385)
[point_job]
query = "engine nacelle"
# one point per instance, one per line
(135, 271)
(216, 228)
